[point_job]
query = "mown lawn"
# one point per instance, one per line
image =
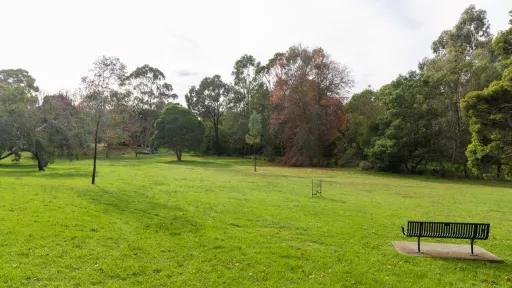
(212, 222)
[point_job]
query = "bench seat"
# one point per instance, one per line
(456, 230)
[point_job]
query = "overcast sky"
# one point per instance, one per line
(57, 41)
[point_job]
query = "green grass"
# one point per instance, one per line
(212, 222)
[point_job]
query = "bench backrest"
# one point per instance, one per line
(448, 230)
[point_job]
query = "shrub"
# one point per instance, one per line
(365, 165)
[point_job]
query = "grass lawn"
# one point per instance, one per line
(212, 222)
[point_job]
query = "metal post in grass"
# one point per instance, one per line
(93, 180)
(254, 135)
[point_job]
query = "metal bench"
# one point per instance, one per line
(457, 230)
(142, 152)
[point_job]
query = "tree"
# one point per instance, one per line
(253, 137)
(53, 128)
(502, 45)
(19, 78)
(409, 127)
(114, 121)
(307, 113)
(15, 101)
(20, 128)
(65, 131)
(150, 95)
(364, 110)
(247, 81)
(490, 114)
(179, 129)
(209, 101)
(250, 93)
(462, 62)
(101, 91)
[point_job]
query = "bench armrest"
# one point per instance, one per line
(403, 231)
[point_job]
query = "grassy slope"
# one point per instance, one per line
(213, 222)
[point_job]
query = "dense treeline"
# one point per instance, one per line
(452, 116)
(111, 108)
(429, 120)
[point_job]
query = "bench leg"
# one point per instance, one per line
(472, 241)
(419, 250)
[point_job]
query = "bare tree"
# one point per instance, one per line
(101, 91)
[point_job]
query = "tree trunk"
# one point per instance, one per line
(95, 151)
(216, 144)
(416, 165)
(406, 166)
(107, 150)
(254, 156)
(40, 163)
(178, 154)
(38, 152)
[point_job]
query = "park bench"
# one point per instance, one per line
(142, 152)
(456, 230)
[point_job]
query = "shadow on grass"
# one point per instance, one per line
(474, 182)
(67, 174)
(18, 170)
(137, 208)
(199, 163)
(17, 166)
(475, 263)
(421, 178)
(441, 180)
(25, 170)
(328, 199)
(481, 265)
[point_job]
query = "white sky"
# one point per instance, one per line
(57, 41)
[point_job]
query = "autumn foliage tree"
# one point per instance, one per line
(307, 104)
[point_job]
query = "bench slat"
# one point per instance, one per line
(458, 230)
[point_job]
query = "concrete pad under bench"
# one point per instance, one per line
(442, 250)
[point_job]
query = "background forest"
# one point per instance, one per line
(450, 117)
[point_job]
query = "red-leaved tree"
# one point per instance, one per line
(307, 104)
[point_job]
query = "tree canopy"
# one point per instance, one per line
(307, 111)
(450, 116)
(179, 129)
(490, 114)
(210, 100)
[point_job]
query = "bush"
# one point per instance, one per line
(365, 165)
